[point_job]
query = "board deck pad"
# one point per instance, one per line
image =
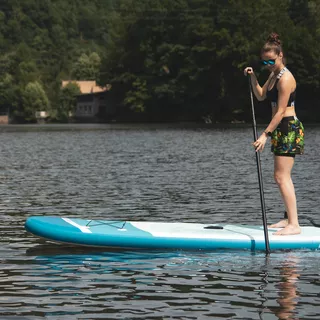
(162, 235)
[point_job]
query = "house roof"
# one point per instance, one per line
(86, 86)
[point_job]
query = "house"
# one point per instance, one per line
(86, 86)
(94, 107)
(92, 103)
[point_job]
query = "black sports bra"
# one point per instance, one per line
(272, 95)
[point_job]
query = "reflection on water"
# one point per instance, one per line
(288, 295)
(154, 174)
(78, 283)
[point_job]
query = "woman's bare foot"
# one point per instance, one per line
(280, 224)
(288, 230)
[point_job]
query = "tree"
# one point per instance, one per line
(8, 98)
(165, 59)
(138, 96)
(67, 101)
(34, 99)
(87, 67)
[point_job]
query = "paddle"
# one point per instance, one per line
(258, 161)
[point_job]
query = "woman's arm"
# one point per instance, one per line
(259, 92)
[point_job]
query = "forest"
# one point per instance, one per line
(166, 60)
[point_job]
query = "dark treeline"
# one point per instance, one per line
(166, 60)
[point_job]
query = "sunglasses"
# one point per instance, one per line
(270, 61)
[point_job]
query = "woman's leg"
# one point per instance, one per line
(282, 175)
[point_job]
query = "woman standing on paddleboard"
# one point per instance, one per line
(285, 129)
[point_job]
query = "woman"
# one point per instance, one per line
(286, 131)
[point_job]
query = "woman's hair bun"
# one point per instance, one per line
(274, 38)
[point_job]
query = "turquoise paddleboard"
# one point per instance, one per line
(161, 235)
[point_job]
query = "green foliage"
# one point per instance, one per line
(138, 96)
(7, 94)
(34, 99)
(168, 59)
(67, 102)
(87, 67)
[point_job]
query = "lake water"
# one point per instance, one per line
(158, 173)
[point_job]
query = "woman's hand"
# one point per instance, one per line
(260, 143)
(248, 70)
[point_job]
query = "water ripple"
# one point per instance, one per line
(148, 174)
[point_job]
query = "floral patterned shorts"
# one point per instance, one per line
(288, 138)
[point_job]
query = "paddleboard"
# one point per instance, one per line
(161, 235)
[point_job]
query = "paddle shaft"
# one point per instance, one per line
(258, 161)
